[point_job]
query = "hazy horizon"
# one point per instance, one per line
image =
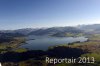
(18, 14)
(50, 27)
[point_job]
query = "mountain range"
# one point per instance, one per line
(95, 28)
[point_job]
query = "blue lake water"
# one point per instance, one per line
(43, 42)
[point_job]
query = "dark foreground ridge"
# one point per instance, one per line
(58, 52)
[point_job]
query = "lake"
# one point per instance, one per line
(43, 42)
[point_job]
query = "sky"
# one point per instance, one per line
(16, 14)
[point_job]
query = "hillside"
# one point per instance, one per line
(53, 31)
(91, 29)
(56, 30)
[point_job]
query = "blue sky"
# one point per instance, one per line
(16, 14)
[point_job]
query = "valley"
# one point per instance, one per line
(11, 54)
